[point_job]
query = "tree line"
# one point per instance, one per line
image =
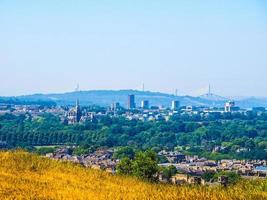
(212, 138)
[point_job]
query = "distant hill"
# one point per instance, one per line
(20, 101)
(106, 97)
(213, 97)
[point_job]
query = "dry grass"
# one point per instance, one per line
(27, 176)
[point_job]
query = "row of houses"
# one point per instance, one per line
(100, 159)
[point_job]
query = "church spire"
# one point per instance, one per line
(77, 103)
(78, 111)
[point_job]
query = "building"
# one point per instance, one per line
(115, 106)
(145, 104)
(75, 114)
(229, 106)
(131, 102)
(175, 105)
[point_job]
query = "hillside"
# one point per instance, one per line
(27, 176)
(106, 97)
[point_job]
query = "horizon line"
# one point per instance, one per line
(135, 90)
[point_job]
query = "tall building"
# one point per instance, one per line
(229, 106)
(175, 105)
(145, 104)
(131, 101)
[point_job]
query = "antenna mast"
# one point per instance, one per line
(176, 92)
(77, 89)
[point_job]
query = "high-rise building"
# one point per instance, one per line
(145, 104)
(229, 106)
(175, 105)
(131, 101)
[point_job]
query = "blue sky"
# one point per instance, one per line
(50, 45)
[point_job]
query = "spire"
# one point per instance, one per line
(77, 103)
(78, 111)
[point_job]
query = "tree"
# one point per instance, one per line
(208, 176)
(123, 152)
(232, 176)
(145, 165)
(45, 150)
(125, 166)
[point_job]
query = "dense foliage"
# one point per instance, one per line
(144, 165)
(234, 136)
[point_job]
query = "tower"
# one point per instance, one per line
(175, 105)
(77, 89)
(176, 92)
(75, 114)
(78, 111)
(131, 101)
(145, 104)
(229, 106)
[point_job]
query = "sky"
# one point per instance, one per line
(50, 46)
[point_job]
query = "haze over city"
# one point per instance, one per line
(50, 46)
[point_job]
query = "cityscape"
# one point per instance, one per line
(191, 167)
(133, 100)
(145, 112)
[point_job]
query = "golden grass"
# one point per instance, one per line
(27, 176)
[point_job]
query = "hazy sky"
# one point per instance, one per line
(51, 45)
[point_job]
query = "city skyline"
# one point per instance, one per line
(133, 99)
(49, 47)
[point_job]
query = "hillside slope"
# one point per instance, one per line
(106, 97)
(27, 176)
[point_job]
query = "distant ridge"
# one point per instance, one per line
(106, 97)
(213, 97)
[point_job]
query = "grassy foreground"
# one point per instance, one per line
(27, 176)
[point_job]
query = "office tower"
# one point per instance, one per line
(229, 106)
(131, 101)
(145, 104)
(175, 105)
